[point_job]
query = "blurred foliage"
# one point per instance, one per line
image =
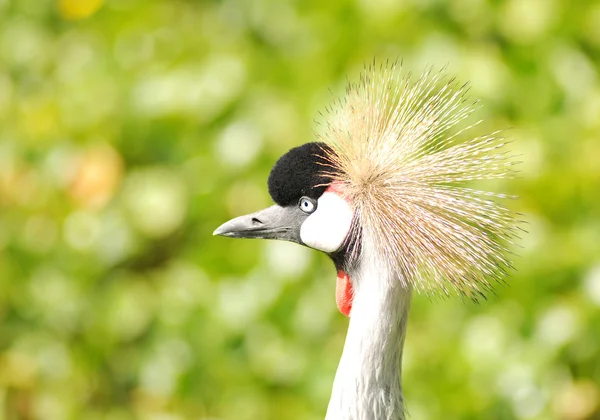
(130, 129)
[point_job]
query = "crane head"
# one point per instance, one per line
(309, 209)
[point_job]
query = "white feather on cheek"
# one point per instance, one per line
(329, 225)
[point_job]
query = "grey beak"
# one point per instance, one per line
(274, 222)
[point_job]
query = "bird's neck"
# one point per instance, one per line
(368, 384)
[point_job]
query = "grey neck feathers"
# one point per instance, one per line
(368, 383)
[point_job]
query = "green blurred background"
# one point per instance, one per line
(130, 129)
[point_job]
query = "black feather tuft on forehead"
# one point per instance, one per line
(299, 173)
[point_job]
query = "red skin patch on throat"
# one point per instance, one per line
(344, 293)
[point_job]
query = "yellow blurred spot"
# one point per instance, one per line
(17, 370)
(578, 401)
(98, 174)
(78, 9)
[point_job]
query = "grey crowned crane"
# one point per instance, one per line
(383, 194)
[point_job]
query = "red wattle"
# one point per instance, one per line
(343, 293)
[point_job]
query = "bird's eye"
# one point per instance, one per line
(307, 205)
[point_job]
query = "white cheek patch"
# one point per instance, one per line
(329, 225)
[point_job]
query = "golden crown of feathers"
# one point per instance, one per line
(400, 153)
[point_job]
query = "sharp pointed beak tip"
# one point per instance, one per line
(226, 229)
(239, 227)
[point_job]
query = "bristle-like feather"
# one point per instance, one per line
(397, 150)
